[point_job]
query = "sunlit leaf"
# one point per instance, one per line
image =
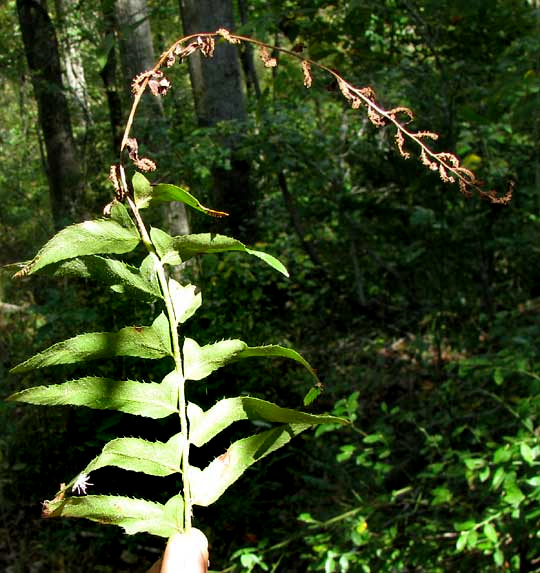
(142, 190)
(274, 350)
(208, 485)
(175, 250)
(101, 236)
(201, 361)
(513, 496)
(123, 277)
(147, 194)
(173, 511)
(133, 515)
(186, 300)
(472, 538)
(138, 455)
(490, 532)
(464, 525)
(527, 453)
(139, 341)
(461, 542)
(205, 425)
(313, 393)
(144, 399)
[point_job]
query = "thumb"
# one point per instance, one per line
(185, 553)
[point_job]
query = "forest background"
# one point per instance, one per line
(418, 307)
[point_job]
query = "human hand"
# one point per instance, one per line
(185, 553)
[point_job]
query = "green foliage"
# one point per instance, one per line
(438, 471)
(75, 251)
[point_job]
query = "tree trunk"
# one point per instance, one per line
(218, 94)
(73, 70)
(246, 56)
(136, 45)
(137, 55)
(63, 167)
(108, 74)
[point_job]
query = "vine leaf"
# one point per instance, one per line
(201, 361)
(133, 515)
(205, 425)
(208, 485)
(144, 399)
(147, 194)
(139, 341)
(176, 250)
(138, 455)
(122, 278)
(101, 236)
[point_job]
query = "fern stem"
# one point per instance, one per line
(177, 356)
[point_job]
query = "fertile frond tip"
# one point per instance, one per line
(446, 164)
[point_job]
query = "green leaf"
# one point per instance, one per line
(472, 538)
(164, 244)
(464, 525)
(120, 214)
(205, 425)
(474, 463)
(139, 341)
(138, 455)
(101, 236)
(441, 495)
(490, 532)
(461, 542)
(208, 485)
(502, 454)
(278, 351)
(346, 453)
(173, 512)
(147, 194)
(133, 515)
(527, 453)
(144, 399)
(149, 270)
(498, 557)
(175, 250)
(269, 260)
(185, 299)
(121, 276)
(201, 361)
(498, 478)
(374, 438)
(312, 395)
(514, 496)
(142, 190)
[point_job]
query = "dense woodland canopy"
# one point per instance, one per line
(418, 306)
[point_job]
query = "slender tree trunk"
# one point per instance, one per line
(74, 76)
(137, 55)
(108, 74)
(219, 97)
(63, 167)
(135, 35)
(246, 56)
